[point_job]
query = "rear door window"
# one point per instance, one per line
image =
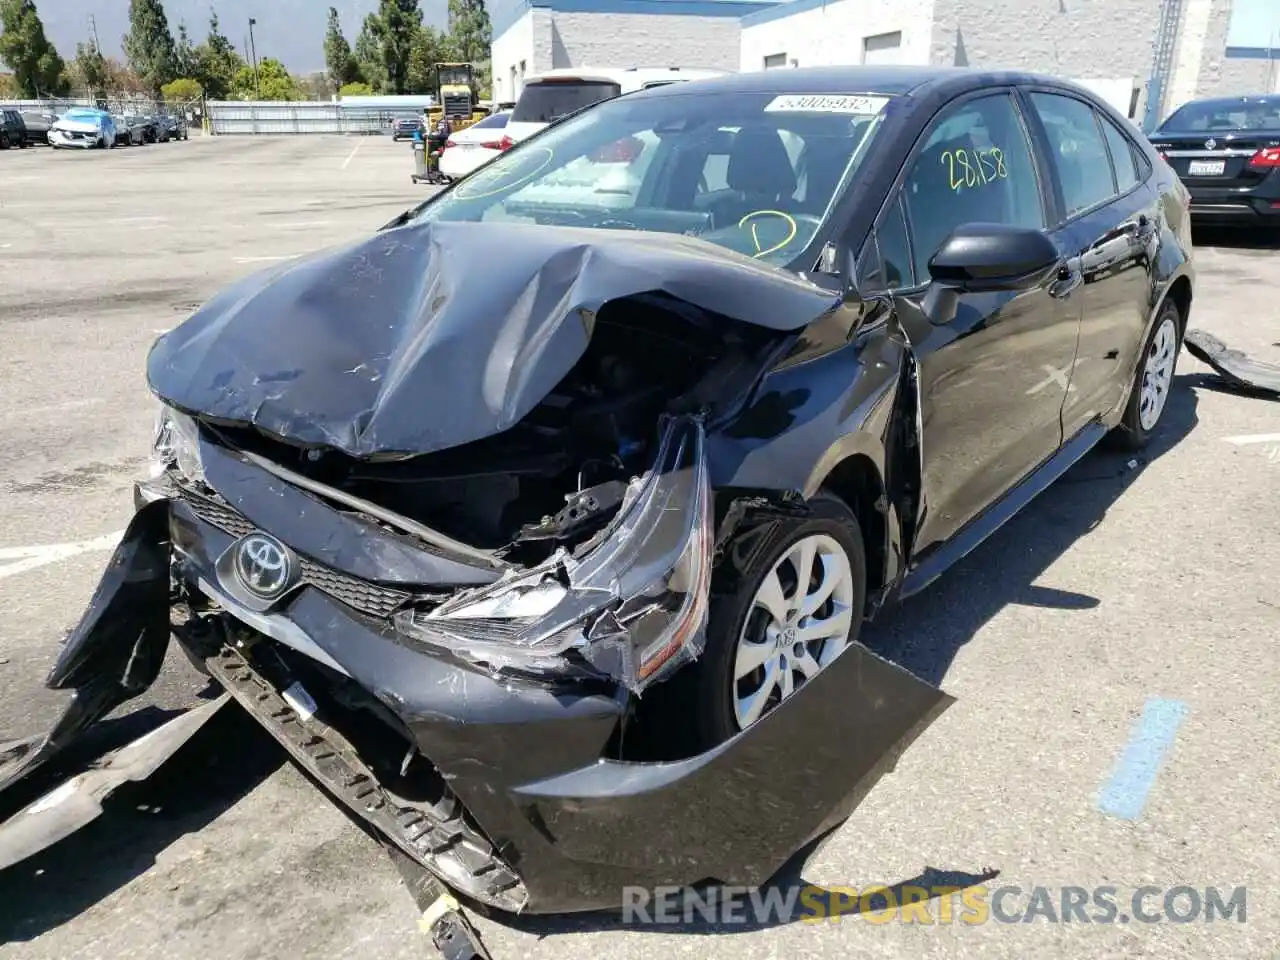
(1078, 149)
(548, 100)
(1122, 156)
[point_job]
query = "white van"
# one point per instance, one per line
(549, 96)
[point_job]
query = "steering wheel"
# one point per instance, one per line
(790, 227)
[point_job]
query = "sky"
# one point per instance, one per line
(1255, 23)
(289, 30)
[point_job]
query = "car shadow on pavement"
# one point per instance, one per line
(225, 759)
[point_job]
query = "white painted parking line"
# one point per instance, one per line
(138, 220)
(290, 256)
(1250, 439)
(352, 155)
(16, 560)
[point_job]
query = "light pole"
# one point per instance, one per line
(253, 50)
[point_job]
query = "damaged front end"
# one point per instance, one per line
(630, 604)
(450, 623)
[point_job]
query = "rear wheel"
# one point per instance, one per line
(4, 141)
(1153, 381)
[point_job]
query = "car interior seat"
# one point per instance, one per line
(760, 174)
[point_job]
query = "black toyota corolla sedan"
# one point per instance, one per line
(1227, 152)
(540, 525)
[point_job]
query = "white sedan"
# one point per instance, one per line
(476, 145)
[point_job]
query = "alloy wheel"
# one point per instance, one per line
(799, 621)
(1157, 373)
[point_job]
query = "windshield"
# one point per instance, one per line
(756, 173)
(1260, 114)
(454, 76)
(82, 115)
(548, 100)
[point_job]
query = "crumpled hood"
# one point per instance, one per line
(429, 336)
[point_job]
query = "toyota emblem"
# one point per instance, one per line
(1211, 144)
(264, 565)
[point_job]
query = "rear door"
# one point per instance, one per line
(1110, 219)
(992, 378)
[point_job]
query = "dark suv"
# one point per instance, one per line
(13, 129)
(1227, 152)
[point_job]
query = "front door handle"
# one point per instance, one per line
(1068, 277)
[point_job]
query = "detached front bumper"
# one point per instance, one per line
(524, 808)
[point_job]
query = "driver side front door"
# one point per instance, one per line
(992, 378)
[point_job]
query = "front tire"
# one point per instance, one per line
(794, 606)
(1149, 395)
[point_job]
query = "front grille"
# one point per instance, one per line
(438, 835)
(362, 595)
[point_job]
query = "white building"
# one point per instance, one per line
(1146, 56)
(531, 36)
(1174, 50)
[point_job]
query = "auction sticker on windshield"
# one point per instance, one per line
(860, 105)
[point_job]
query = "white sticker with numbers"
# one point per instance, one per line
(860, 105)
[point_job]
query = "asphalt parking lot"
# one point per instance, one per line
(1125, 583)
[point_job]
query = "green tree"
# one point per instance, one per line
(217, 62)
(470, 32)
(368, 53)
(430, 47)
(338, 58)
(355, 90)
(149, 44)
(181, 90)
(400, 21)
(38, 71)
(89, 69)
(274, 80)
(184, 54)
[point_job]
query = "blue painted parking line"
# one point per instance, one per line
(1125, 794)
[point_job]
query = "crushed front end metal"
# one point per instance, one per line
(436, 834)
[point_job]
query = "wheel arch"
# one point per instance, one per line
(859, 482)
(1181, 293)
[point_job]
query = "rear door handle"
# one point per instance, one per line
(1068, 277)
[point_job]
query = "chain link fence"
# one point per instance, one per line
(239, 117)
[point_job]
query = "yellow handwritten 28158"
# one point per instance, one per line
(974, 168)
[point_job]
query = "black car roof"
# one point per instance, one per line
(888, 79)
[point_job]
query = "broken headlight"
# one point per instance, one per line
(176, 445)
(633, 607)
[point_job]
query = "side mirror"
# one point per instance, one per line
(985, 257)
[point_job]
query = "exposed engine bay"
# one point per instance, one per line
(560, 473)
